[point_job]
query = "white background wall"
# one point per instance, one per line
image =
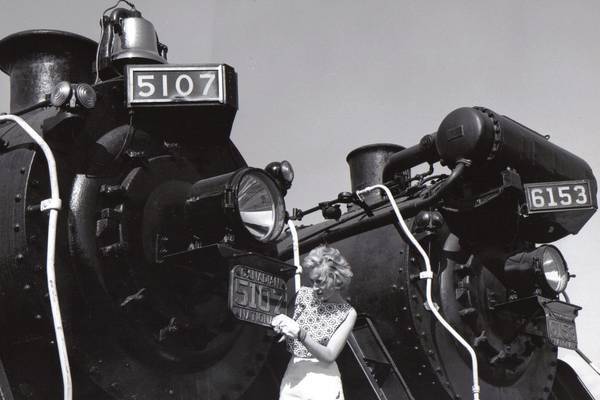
(320, 78)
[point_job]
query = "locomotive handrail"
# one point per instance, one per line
(296, 251)
(428, 275)
(54, 205)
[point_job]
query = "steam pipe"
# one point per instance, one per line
(348, 226)
(424, 151)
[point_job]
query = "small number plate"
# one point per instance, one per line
(174, 84)
(256, 296)
(560, 323)
(561, 332)
(558, 196)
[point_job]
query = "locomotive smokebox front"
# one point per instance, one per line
(162, 251)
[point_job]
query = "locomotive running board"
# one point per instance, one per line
(368, 370)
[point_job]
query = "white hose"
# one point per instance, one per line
(297, 280)
(53, 204)
(428, 274)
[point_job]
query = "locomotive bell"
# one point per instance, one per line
(128, 38)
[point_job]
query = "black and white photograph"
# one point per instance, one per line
(299, 200)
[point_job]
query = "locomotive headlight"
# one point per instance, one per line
(259, 205)
(553, 267)
(246, 202)
(544, 268)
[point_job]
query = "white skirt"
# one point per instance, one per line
(311, 379)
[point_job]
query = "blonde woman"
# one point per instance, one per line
(316, 335)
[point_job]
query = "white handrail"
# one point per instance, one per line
(428, 274)
(296, 248)
(54, 205)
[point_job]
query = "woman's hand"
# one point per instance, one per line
(282, 324)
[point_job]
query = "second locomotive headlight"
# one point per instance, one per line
(544, 267)
(246, 203)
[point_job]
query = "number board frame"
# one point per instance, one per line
(532, 209)
(258, 280)
(157, 69)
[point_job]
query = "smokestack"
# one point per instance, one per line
(36, 60)
(367, 163)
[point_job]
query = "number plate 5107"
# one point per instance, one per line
(558, 196)
(256, 296)
(164, 84)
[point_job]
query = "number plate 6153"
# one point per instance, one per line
(558, 196)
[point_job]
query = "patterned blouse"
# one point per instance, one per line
(319, 320)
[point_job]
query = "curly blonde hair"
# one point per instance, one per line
(332, 265)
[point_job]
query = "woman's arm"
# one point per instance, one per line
(335, 345)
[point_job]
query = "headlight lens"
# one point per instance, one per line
(554, 269)
(260, 206)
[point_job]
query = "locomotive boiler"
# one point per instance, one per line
(172, 255)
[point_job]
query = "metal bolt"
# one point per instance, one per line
(26, 287)
(38, 317)
(20, 257)
(17, 227)
(18, 198)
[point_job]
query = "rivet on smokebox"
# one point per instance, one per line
(20, 257)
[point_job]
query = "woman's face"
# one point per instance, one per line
(323, 285)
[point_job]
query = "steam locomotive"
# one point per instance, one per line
(172, 254)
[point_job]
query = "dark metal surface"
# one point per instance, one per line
(36, 60)
(568, 385)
